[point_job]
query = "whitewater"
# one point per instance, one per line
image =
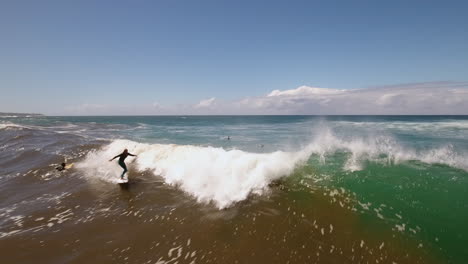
(224, 177)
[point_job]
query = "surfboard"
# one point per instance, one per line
(122, 181)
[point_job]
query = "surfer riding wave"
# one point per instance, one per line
(122, 158)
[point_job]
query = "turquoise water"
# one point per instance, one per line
(408, 173)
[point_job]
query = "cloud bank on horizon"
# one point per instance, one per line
(435, 98)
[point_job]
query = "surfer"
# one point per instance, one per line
(62, 167)
(122, 158)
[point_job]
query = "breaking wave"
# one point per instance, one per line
(225, 177)
(207, 173)
(383, 149)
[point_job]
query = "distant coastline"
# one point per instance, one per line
(2, 114)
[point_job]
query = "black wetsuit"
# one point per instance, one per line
(122, 158)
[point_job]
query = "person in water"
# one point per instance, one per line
(62, 167)
(122, 158)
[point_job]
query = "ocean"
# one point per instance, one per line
(235, 189)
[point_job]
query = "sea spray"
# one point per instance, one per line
(209, 174)
(384, 149)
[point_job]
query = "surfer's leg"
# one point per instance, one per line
(123, 173)
(122, 164)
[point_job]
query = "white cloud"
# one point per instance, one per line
(157, 105)
(85, 108)
(418, 98)
(305, 91)
(436, 98)
(205, 103)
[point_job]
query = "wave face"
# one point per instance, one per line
(207, 173)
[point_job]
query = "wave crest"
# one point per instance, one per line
(207, 173)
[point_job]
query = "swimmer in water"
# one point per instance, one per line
(62, 167)
(122, 158)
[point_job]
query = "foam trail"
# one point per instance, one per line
(207, 173)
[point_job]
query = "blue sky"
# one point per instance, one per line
(58, 56)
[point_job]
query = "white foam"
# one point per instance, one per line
(9, 125)
(228, 176)
(207, 173)
(382, 148)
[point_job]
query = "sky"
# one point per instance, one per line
(233, 57)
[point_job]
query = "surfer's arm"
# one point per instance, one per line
(131, 155)
(115, 157)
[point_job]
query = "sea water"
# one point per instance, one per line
(393, 180)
